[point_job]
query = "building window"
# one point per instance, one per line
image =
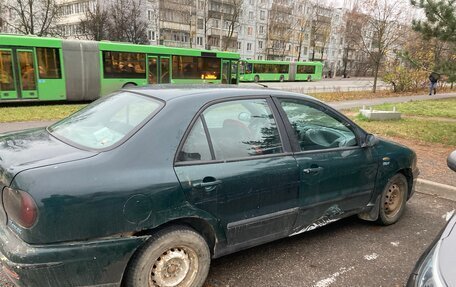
(249, 31)
(261, 29)
(149, 14)
(216, 23)
(250, 15)
(200, 23)
(239, 44)
(249, 46)
(262, 15)
(260, 57)
(305, 51)
(260, 44)
(199, 41)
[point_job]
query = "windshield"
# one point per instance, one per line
(106, 121)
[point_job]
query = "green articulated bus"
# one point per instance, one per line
(264, 70)
(50, 69)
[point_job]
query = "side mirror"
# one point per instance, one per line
(451, 160)
(370, 141)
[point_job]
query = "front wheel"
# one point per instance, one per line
(256, 79)
(176, 256)
(281, 79)
(393, 199)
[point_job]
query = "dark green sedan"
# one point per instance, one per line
(145, 186)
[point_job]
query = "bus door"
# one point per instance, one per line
(234, 72)
(165, 71)
(226, 74)
(7, 78)
(26, 69)
(153, 69)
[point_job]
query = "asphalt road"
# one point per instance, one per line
(349, 252)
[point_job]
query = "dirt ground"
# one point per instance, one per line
(432, 161)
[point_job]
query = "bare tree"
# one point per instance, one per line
(95, 24)
(127, 24)
(2, 15)
(280, 30)
(233, 23)
(320, 30)
(381, 31)
(34, 17)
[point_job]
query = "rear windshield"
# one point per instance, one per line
(107, 121)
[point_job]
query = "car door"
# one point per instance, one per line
(337, 175)
(233, 164)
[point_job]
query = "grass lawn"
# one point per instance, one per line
(426, 121)
(37, 113)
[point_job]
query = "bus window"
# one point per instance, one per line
(6, 72)
(305, 69)
(124, 65)
(186, 67)
(49, 63)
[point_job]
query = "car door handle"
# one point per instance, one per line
(312, 170)
(207, 184)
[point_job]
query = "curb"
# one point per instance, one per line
(434, 188)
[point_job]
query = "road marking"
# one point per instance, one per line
(331, 279)
(370, 257)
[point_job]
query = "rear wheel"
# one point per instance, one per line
(393, 199)
(281, 78)
(176, 256)
(256, 79)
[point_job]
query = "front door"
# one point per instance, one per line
(153, 70)
(7, 79)
(233, 165)
(226, 74)
(165, 70)
(337, 175)
(26, 80)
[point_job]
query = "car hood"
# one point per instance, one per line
(33, 148)
(447, 253)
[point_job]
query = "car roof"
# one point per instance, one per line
(168, 92)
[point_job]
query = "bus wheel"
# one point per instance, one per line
(281, 78)
(129, 85)
(256, 79)
(309, 78)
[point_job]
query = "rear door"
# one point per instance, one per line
(27, 79)
(234, 164)
(337, 175)
(8, 88)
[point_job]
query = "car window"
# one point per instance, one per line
(106, 121)
(316, 129)
(242, 128)
(196, 146)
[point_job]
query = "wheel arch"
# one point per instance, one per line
(200, 225)
(407, 172)
(129, 84)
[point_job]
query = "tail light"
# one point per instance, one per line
(20, 207)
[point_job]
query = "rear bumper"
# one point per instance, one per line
(90, 263)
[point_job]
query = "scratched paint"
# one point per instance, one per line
(333, 278)
(332, 214)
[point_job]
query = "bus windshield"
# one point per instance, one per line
(107, 121)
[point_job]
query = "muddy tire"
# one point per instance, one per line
(393, 200)
(175, 256)
(281, 79)
(256, 79)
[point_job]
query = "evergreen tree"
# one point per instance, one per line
(440, 24)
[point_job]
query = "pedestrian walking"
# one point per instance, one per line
(433, 78)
